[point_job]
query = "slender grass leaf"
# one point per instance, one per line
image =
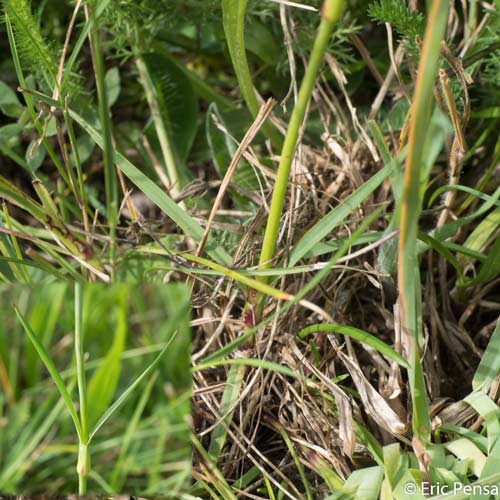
(489, 366)
(181, 314)
(233, 17)
(49, 364)
(33, 437)
(217, 479)
(43, 316)
(227, 406)
(331, 220)
(357, 334)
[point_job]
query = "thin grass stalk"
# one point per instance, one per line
(83, 465)
(82, 201)
(110, 177)
(331, 12)
(408, 271)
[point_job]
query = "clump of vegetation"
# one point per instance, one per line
(327, 187)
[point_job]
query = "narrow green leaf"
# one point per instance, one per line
(51, 368)
(489, 366)
(227, 407)
(331, 220)
(178, 316)
(43, 317)
(157, 196)
(357, 334)
(233, 18)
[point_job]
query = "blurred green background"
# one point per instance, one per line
(143, 449)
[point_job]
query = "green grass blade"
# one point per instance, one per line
(295, 459)
(104, 381)
(179, 315)
(227, 407)
(110, 177)
(49, 364)
(360, 335)
(331, 220)
(18, 457)
(217, 478)
(489, 366)
(43, 317)
(233, 18)
(408, 275)
(157, 195)
(120, 468)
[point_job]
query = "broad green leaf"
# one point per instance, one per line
(9, 134)
(490, 412)
(466, 450)
(480, 235)
(364, 484)
(35, 157)
(112, 83)
(102, 386)
(9, 103)
(400, 490)
(490, 268)
(260, 41)
(176, 100)
(43, 316)
(200, 86)
(223, 148)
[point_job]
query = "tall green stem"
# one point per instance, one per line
(110, 177)
(83, 465)
(408, 271)
(331, 12)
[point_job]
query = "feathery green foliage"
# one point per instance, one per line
(409, 25)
